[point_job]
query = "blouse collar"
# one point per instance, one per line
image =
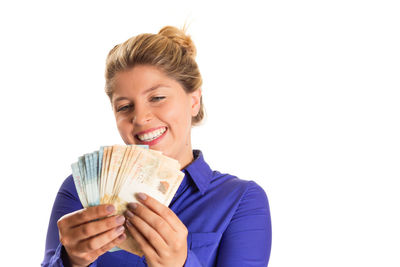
(199, 171)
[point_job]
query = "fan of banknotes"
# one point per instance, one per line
(114, 174)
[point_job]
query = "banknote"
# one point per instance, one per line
(115, 174)
(78, 180)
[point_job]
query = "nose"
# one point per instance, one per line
(141, 115)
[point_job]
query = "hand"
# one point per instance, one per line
(85, 239)
(158, 231)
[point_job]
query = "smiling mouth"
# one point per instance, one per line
(150, 136)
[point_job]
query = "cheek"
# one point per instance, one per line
(124, 126)
(179, 118)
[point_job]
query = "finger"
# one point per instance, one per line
(93, 228)
(148, 232)
(152, 219)
(98, 241)
(117, 241)
(85, 215)
(145, 246)
(163, 211)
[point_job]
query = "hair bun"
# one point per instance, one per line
(179, 36)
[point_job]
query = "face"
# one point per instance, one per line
(152, 109)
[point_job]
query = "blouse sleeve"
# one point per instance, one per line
(66, 202)
(247, 239)
(192, 260)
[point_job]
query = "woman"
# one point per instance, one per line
(214, 219)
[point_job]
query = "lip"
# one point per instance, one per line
(152, 142)
(150, 130)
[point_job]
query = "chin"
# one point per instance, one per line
(159, 148)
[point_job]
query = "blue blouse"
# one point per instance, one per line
(228, 220)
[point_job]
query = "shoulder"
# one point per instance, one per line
(245, 201)
(68, 182)
(247, 192)
(67, 189)
(234, 182)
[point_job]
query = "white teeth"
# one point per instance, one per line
(152, 135)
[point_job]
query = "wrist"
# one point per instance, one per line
(67, 260)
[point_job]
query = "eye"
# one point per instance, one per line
(124, 108)
(156, 98)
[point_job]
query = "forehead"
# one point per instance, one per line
(138, 76)
(140, 79)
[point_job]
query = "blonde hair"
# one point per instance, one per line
(171, 50)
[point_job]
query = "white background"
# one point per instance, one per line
(302, 97)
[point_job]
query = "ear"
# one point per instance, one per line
(195, 98)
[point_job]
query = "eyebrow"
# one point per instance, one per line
(145, 92)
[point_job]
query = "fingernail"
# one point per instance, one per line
(122, 237)
(129, 224)
(132, 205)
(129, 214)
(110, 208)
(141, 196)
(120, 229)
(120, 219)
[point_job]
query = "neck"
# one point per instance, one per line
(187, 155)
